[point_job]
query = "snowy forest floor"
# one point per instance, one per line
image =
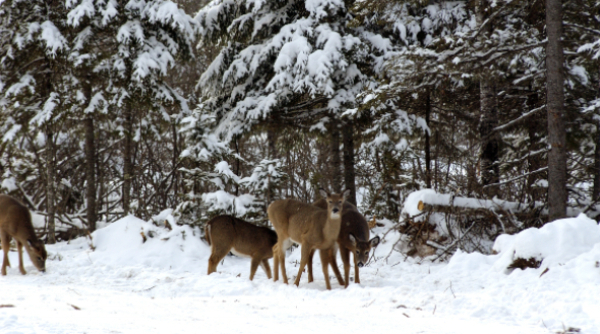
(161, 286)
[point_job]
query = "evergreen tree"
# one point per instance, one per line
(35, 80)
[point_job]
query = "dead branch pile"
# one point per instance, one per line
(470, 224)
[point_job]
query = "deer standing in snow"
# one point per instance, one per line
(15, 222)
(353, 238)
(310, 226)
(227, 233)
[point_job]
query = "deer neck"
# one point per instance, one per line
(332, 226)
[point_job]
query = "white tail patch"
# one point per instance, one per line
(237, 253)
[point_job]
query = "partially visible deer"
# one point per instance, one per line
(353, 238)
(310, 226)
(227, 233)
(15, 222)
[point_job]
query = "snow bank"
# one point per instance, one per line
(130, 286)
(122, 244)
(553, 244)
(571, 244)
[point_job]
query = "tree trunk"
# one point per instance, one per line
(90, 162)
(175, 164)
(349, 174)
(336, 175)
(102, 191)
(489, 142)
(127, 159)
(427, 144)
(534, 162)
(238, 164)
(271, 141)
(596, 169)
(557, 162)
(272, 154)
(90, 171)
(50, 188)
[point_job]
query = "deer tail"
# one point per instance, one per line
(207, 233)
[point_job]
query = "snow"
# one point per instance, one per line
(129, 286)
(52, 38)
(222, 200)
(9, 184)
(556, 243)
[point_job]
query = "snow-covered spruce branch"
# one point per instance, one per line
(518, 119)
(500, 50)
(305, 114)
(19, 71)
(516, 178)
(489, 19)
(538, 73)
(504, 51)
(575, 25)
(299, 108)
(516, 161)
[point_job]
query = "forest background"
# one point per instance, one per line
(117, 107)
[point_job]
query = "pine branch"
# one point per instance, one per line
(516, 178)
(519, 119)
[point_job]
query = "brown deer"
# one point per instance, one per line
(227, 233)
(15, 222)
(310, 226)
(353, 238)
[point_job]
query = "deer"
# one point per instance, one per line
(15, 222)
(226, 233)
(310, 226)
(353, 238)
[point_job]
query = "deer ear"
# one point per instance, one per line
(352, 239)
(323, 192)
(346, 193)
(375, 241)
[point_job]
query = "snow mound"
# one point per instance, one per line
(566, 245)
(554, 244)
(122, 244)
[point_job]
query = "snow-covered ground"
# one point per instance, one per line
(161, 286)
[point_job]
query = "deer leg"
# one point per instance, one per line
(280, 253)
(20, 251)
(216, 255)
(303, 260)
(309, 265)
(276, 262)
(265, 265)
(325, 264)
(282, 265)
(334, 266)
(356, 277)
(253, 266)
(5, 240)
(345, 253)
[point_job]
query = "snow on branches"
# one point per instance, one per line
(278, 53)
